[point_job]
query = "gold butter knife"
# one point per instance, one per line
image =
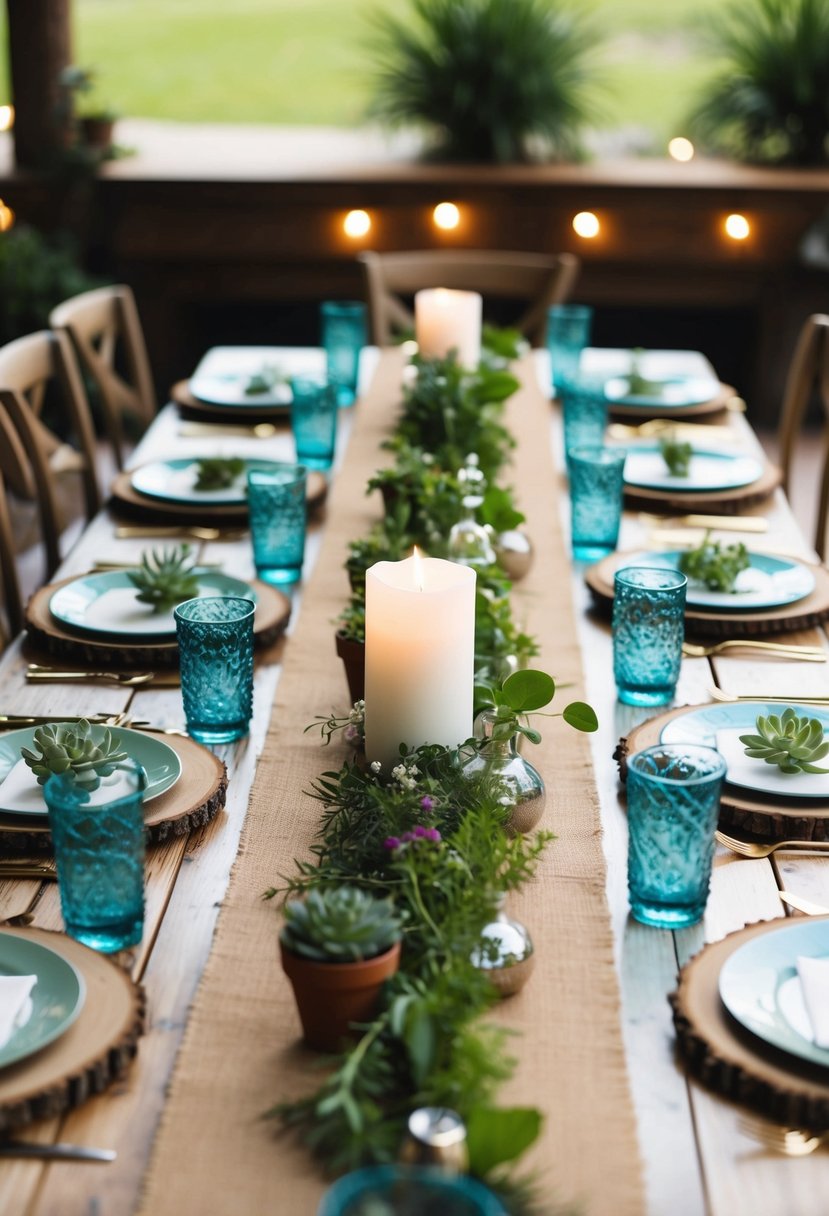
(726, 523)
(803, 905)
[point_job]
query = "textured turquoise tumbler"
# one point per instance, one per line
(215, 640)
(648, 629)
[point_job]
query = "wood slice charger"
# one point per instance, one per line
(746, 814)
(729, 1059)
(195, 799)
(812, 610)
(209, 411)
(720, 402)
(273, 611)
(730, 502)
(129, 502)
(90, 1055)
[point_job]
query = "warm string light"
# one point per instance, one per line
(737, 227)
(586, 224)
(446, 216)
(681, 148)
(357, 223)
(6, 217)
(6, 118)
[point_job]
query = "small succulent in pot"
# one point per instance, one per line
(340, 925)
(68, 747)
(165, 578)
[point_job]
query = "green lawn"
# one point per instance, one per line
(308, 61)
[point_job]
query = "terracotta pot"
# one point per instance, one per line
(330, 996)
(353, 655)
(97, 132)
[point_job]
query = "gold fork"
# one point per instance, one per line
(749, 848)
(185, 531)
(809, 654)
(791, 1141)
(34, 672)
(731, 697)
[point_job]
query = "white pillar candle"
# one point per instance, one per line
(420, 655)
(449, 320)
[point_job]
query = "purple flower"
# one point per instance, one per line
(391, 842)
(432, 834)
(419, 832)
(427, 804)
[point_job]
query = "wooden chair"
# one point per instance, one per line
(808, 373)
(33, 460)
(108, 339)
(540, 280)
(9, 582)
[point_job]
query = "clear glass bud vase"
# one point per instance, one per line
(499, 761)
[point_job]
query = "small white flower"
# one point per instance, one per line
(375, 766)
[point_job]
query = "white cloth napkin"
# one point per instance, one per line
(814, 980)
(15, 1003)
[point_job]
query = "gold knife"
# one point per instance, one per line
(726, 523)
(803, 905)
(55, 1152)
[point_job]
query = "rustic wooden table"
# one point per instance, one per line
(695, 1158)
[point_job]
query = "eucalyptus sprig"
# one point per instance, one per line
(218, 472)
(788, 740)
(526, 692)
(676, 454)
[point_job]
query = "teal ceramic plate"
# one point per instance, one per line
(57, 997)
(759, 987)
(672, 391)
(107, 603)
(769, 582)
(703, 725)
(175, 481)
(20, 793)
(646, 469)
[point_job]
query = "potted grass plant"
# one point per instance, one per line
(338, 947)
(487, 80)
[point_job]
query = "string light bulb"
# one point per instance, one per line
(357, 223)
(586, 224)
(737, 227)
(6, 118)
(681, 148)
(6, 217)
(446, 216)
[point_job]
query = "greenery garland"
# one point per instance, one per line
(436, 842)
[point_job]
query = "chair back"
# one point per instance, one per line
(106, 334)
(34, 459)
(540, 280)
(9, 581)
(808, 374)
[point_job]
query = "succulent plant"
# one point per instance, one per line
(165, 578)
(340, 925)
(68, 747)
(791, 742)
(218, 472)
(676, 454)
(715, 564)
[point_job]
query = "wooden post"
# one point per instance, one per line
(40, 47)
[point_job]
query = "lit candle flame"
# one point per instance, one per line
(418, 568)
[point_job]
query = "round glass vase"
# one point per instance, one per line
(499, 761)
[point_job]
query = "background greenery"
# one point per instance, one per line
(306, 61)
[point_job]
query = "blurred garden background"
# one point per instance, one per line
(310, 61)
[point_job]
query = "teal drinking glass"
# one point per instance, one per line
(314, 421)
(343, 337)
(98, 838)
(278, 513)
(584, 406)
(648, 629)
(568, 332)
(401, 1190)
(596, 488)
(673, 796)
(215, 640)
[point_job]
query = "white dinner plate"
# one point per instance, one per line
(645, 468)
(705, 724)
(672, 392)
(107, 603)
(760, 988)
(175, 481)
(20, 793)
(56, 999)
(769, 582)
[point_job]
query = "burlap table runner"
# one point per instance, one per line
(241, 1052)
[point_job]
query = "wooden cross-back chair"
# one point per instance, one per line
(33, 459)
(808, 374)
(106, 333)
(540, 280)
(9, 581)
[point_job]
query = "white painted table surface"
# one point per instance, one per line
(696, 1160)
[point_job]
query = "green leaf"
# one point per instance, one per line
(581, 716)
(420, 1040)
(494, 1136)
(498, 511)
(525, 691)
